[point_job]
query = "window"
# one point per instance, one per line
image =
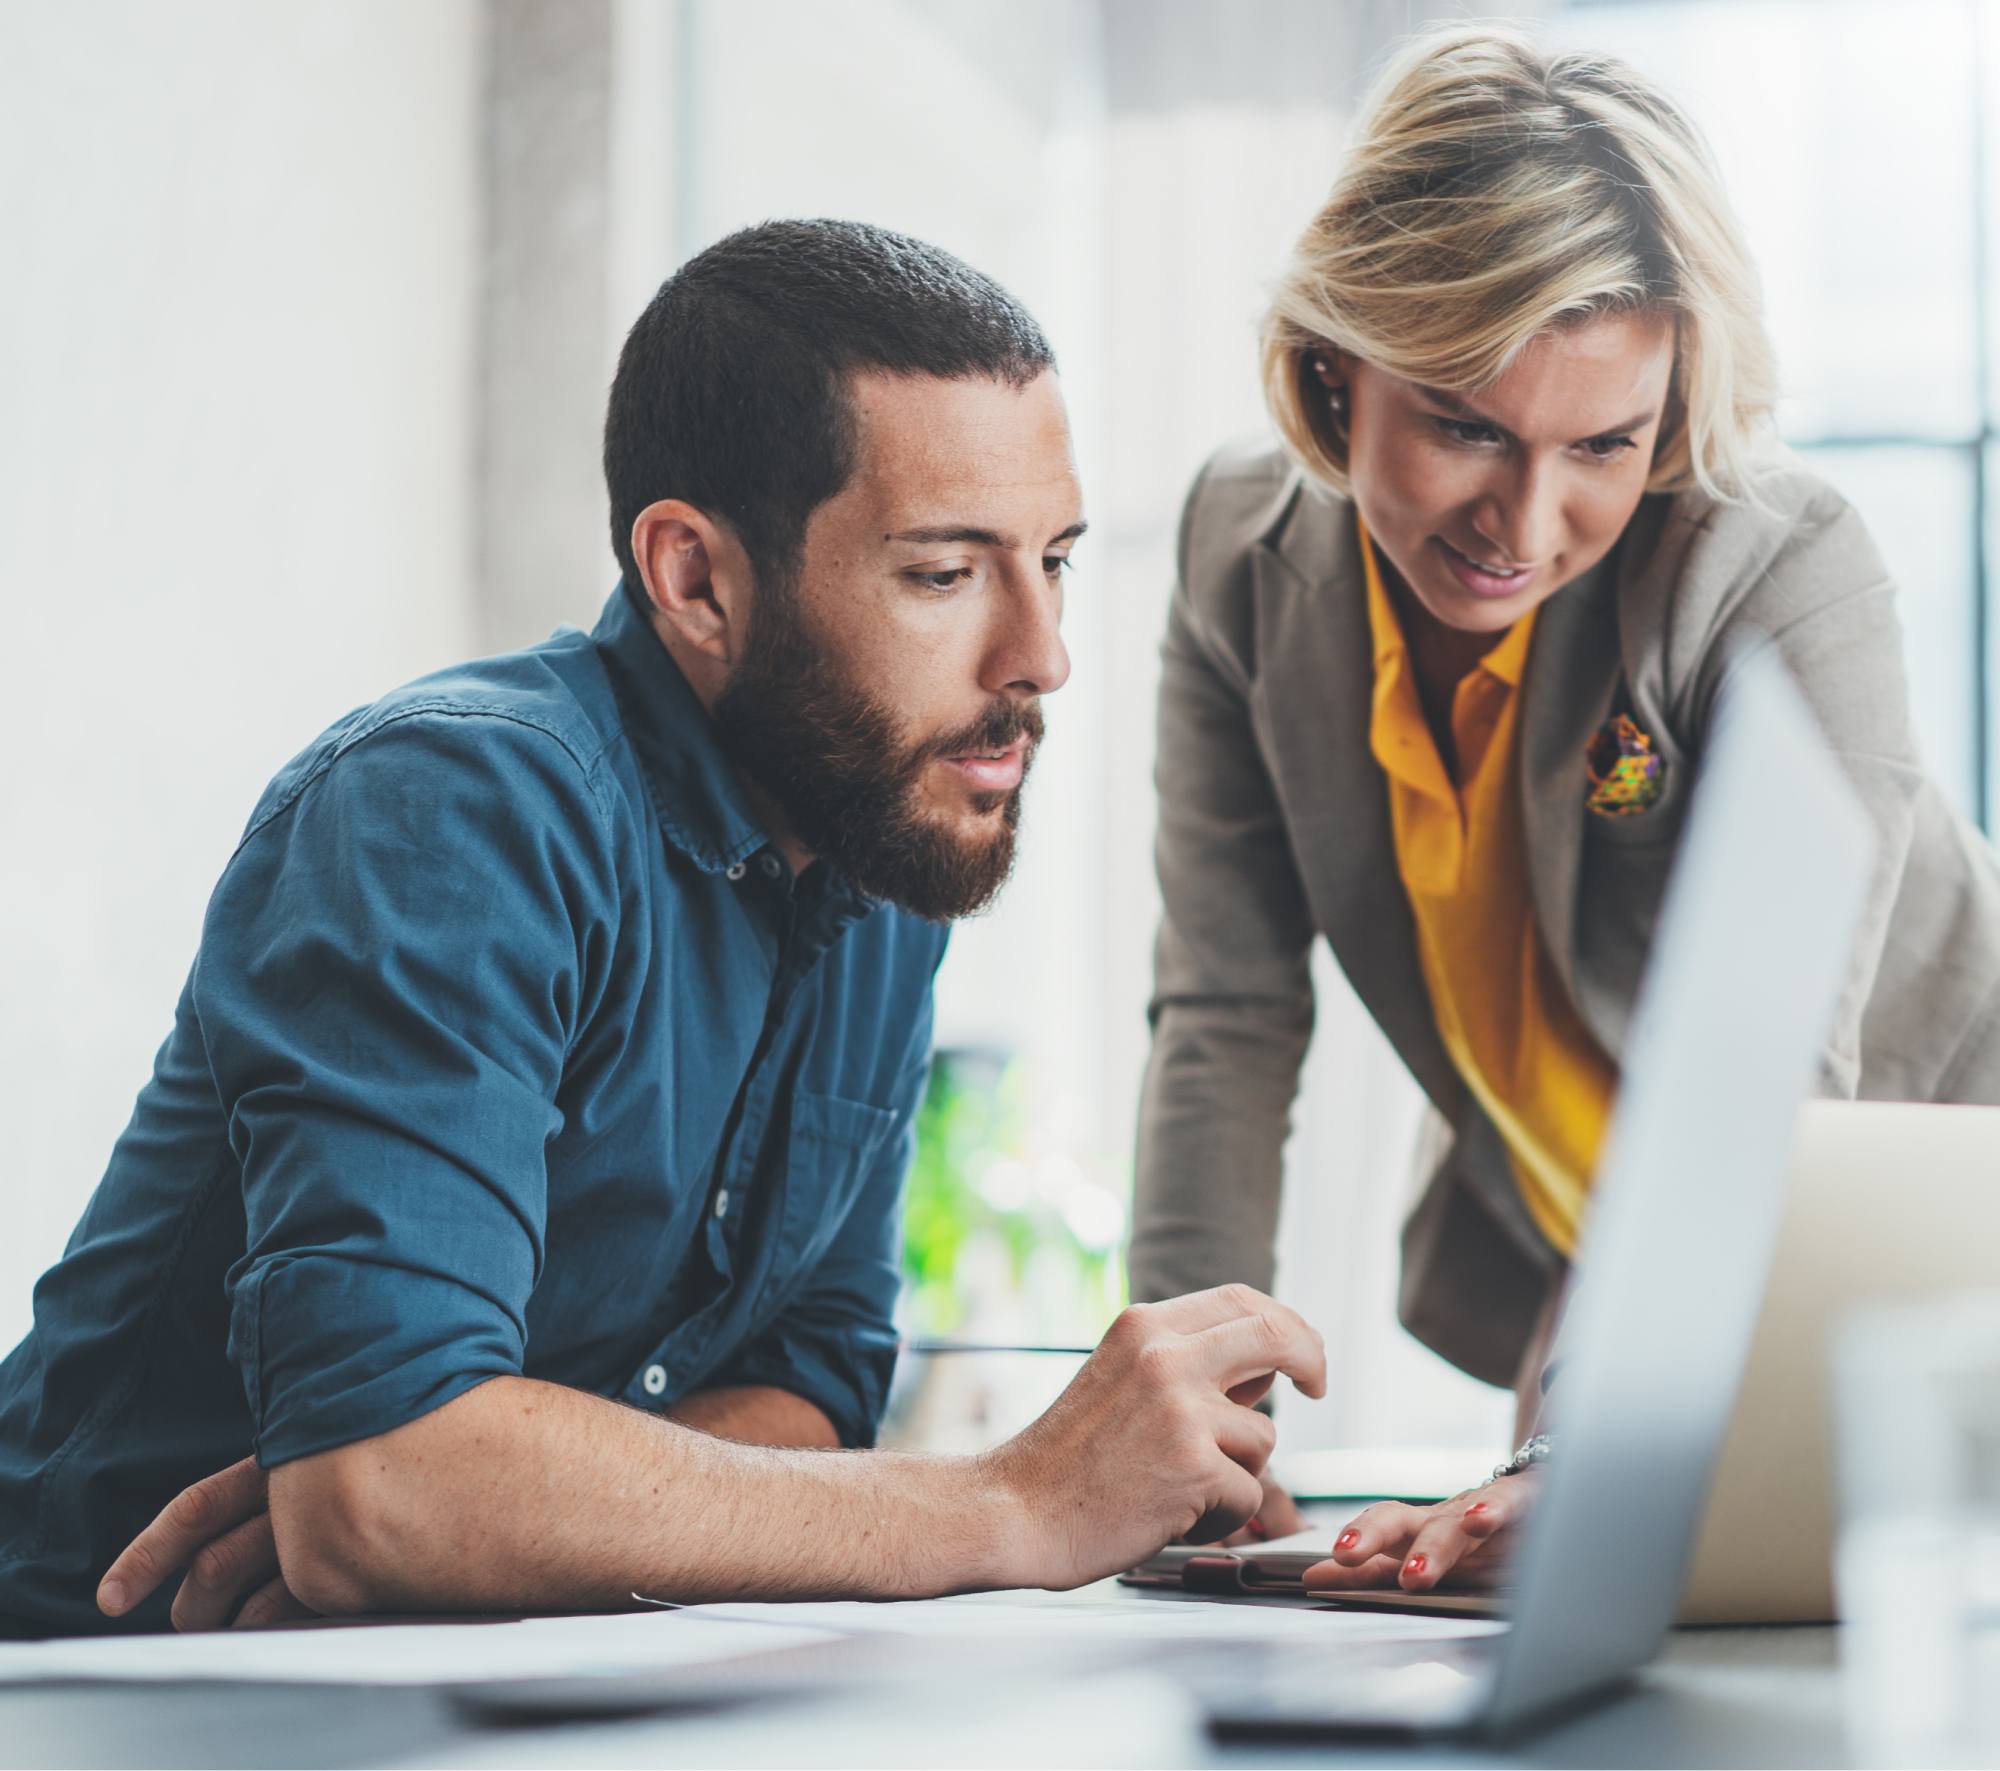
(1850, 136)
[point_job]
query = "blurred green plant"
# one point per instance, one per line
(975, 1185)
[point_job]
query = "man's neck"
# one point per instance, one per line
(706, 678)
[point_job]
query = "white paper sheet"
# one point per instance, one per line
(1422, 1470)
(646, 1642)
(1127, 1617)
(1318, 1538)
(415, 1654)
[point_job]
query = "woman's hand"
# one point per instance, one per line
(1461, 1542)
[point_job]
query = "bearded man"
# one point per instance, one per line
(510, 1222)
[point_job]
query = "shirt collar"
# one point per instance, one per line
(695, 793)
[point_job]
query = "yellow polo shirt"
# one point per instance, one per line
(1505, 1018)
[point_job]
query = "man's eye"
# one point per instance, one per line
(942, 583)
(1465, 430)
(1055, 564)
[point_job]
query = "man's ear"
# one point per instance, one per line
(697, 577)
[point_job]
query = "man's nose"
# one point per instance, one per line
(1027, 656)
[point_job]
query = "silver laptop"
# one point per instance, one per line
(1752, 944)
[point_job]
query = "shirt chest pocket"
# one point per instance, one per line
(835, 1146)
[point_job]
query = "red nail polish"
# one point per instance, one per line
(1416, 1565)
(1478, 1506)
(1348, 1539)
(1256, 1528)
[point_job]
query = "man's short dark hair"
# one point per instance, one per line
(731, 390)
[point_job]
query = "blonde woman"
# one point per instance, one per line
(1437, 679)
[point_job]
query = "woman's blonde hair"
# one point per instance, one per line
(1497, 189)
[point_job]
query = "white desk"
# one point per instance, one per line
(1715, 1697)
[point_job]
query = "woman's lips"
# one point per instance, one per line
(993, 774)
(1478, 579)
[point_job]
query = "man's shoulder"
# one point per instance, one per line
(540, 718)
(557, 689)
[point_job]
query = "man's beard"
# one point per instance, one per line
(850, 788)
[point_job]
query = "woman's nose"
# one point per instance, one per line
(1523, 521)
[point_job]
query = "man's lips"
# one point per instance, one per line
(992, 772)
(1479, 576)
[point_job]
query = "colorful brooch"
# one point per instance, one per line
(1626, 775)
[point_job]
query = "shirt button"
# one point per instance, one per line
(736, 871)
(655, 1380)
(722, 1202)
(771, 865)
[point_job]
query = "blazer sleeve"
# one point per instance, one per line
(1232, 1005)
(1825, 605)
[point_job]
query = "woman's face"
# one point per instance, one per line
(1488, 503)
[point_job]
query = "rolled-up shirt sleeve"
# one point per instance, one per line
(391, 972)
(835, 1340)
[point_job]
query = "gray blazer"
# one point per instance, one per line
(1274, 828)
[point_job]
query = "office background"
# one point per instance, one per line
(306, 319)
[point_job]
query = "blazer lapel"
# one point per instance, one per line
(1572, 675)
(1312, 702)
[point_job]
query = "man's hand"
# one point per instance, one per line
(1157, 1436)
(1461, 1542)
(1278, 1516)
(220, 1532)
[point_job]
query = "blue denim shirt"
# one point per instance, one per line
(510, 1047)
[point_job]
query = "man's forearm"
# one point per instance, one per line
(521, 1495)
(757, 1414)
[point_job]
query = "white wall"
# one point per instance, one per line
(235, 323)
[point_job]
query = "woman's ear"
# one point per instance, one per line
(1330, 365)
(696, 578)
(1328, 368)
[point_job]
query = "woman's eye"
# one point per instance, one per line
(1604, 448)
(1465, 430)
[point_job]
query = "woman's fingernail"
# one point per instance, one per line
(1348, 1539)
(111, 1596)
(1416, 1565)
(1478, 1506)
(1256, 1528)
